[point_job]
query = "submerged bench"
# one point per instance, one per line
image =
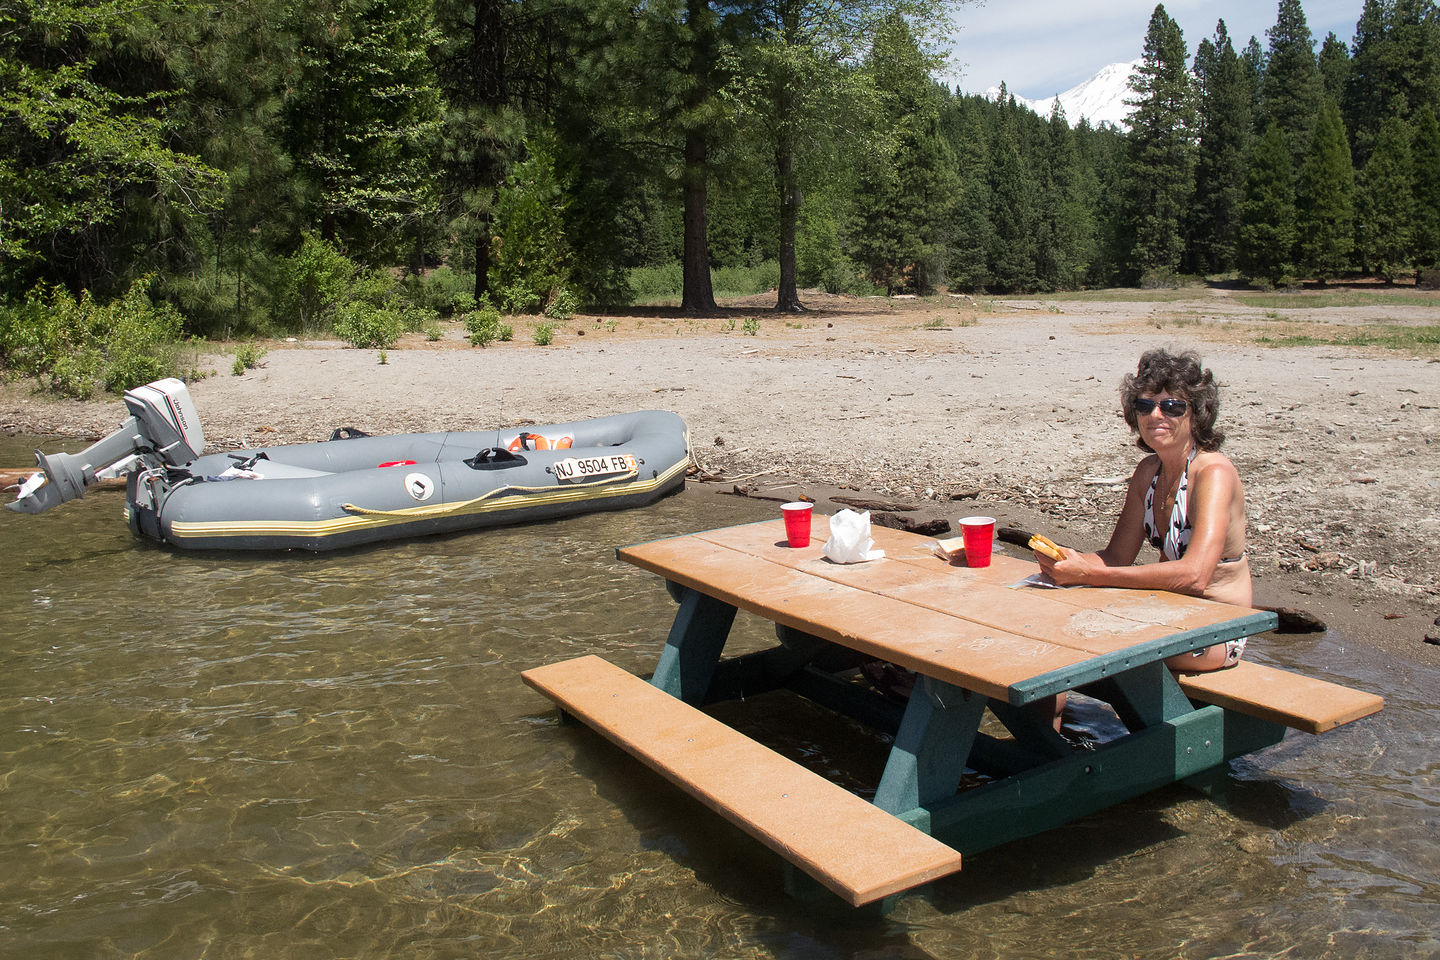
(1280, 696)
(850, 846)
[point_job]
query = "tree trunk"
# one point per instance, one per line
(488, 57)
(482, 261)
(698, 295)
(788, 299)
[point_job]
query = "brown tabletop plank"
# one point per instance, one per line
(935, 642)
(1094, 620)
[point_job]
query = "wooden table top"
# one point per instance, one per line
(970, 627)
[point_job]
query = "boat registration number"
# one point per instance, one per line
(583, 468)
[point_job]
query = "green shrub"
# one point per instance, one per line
(247, 357)
(751, 326)
(664, 282)
(563, 304)
(543, 334)
(530, 253)
(517, 297)
(746, 281)
(311, 283)
(483, 326)
(442, 290)
(75, 345)
(363, 324)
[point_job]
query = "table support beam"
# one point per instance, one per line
(928, 756)
(1066, 789)
(692, 651)
(1143, 696)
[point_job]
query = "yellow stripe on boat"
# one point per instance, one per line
(218, 529)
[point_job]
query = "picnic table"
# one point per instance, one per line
(980, 643)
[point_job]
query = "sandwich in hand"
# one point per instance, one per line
(1043, 544)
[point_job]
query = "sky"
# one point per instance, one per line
(1043, 47)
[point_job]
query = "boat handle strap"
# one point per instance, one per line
(440, 510)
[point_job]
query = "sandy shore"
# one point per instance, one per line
(949, 405)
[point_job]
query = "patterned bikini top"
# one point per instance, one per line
(1176, 536)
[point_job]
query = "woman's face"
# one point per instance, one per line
(1163, 419)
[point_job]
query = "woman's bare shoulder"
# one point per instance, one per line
(1213, 465)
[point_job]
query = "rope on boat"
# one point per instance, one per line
(440, 510)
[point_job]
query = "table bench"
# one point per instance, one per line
(850, 846)
(1281, 696)
(978, 644)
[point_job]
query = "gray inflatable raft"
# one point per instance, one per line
(356, 489)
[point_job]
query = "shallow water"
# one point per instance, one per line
(322, 756)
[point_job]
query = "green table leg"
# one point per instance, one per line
(928, 756)
(692, 651)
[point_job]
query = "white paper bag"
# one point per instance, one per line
(850, 540)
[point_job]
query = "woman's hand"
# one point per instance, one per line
(1073, 568)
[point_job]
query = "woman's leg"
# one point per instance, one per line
(1206, 659)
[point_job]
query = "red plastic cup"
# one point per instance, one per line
(797, 522)
(979, 536)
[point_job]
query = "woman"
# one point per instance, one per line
(1185, 499)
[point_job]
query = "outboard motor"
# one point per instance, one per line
(163, 430)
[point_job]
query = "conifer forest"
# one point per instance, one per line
(270, 167)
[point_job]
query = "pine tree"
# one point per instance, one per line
(1334, 64)
(1010, 257)
(971, 232)
(480, 63)
(1427, 188)
(1385, 194)
(1267, 214)
(1395, 67)
(1370, 85)
(1324, 200)
(1291, 91)
(905, 207)
(1066, 236)
(1224, 121)
(1161, 149)
(1252, 70)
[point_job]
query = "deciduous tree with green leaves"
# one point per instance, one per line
(797, 73)
(80, 144)
(363, 118)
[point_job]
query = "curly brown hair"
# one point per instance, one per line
(1181, 375)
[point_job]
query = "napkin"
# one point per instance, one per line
(850, 540)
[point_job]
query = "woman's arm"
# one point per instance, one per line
(1211, 493)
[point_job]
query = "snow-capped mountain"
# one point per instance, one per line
(1101, 99)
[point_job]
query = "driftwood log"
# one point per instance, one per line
(13, 478)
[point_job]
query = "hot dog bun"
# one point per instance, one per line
(1043, 544)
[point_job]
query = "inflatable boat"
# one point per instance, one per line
(355, 488)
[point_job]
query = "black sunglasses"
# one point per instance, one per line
(1170, 406)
